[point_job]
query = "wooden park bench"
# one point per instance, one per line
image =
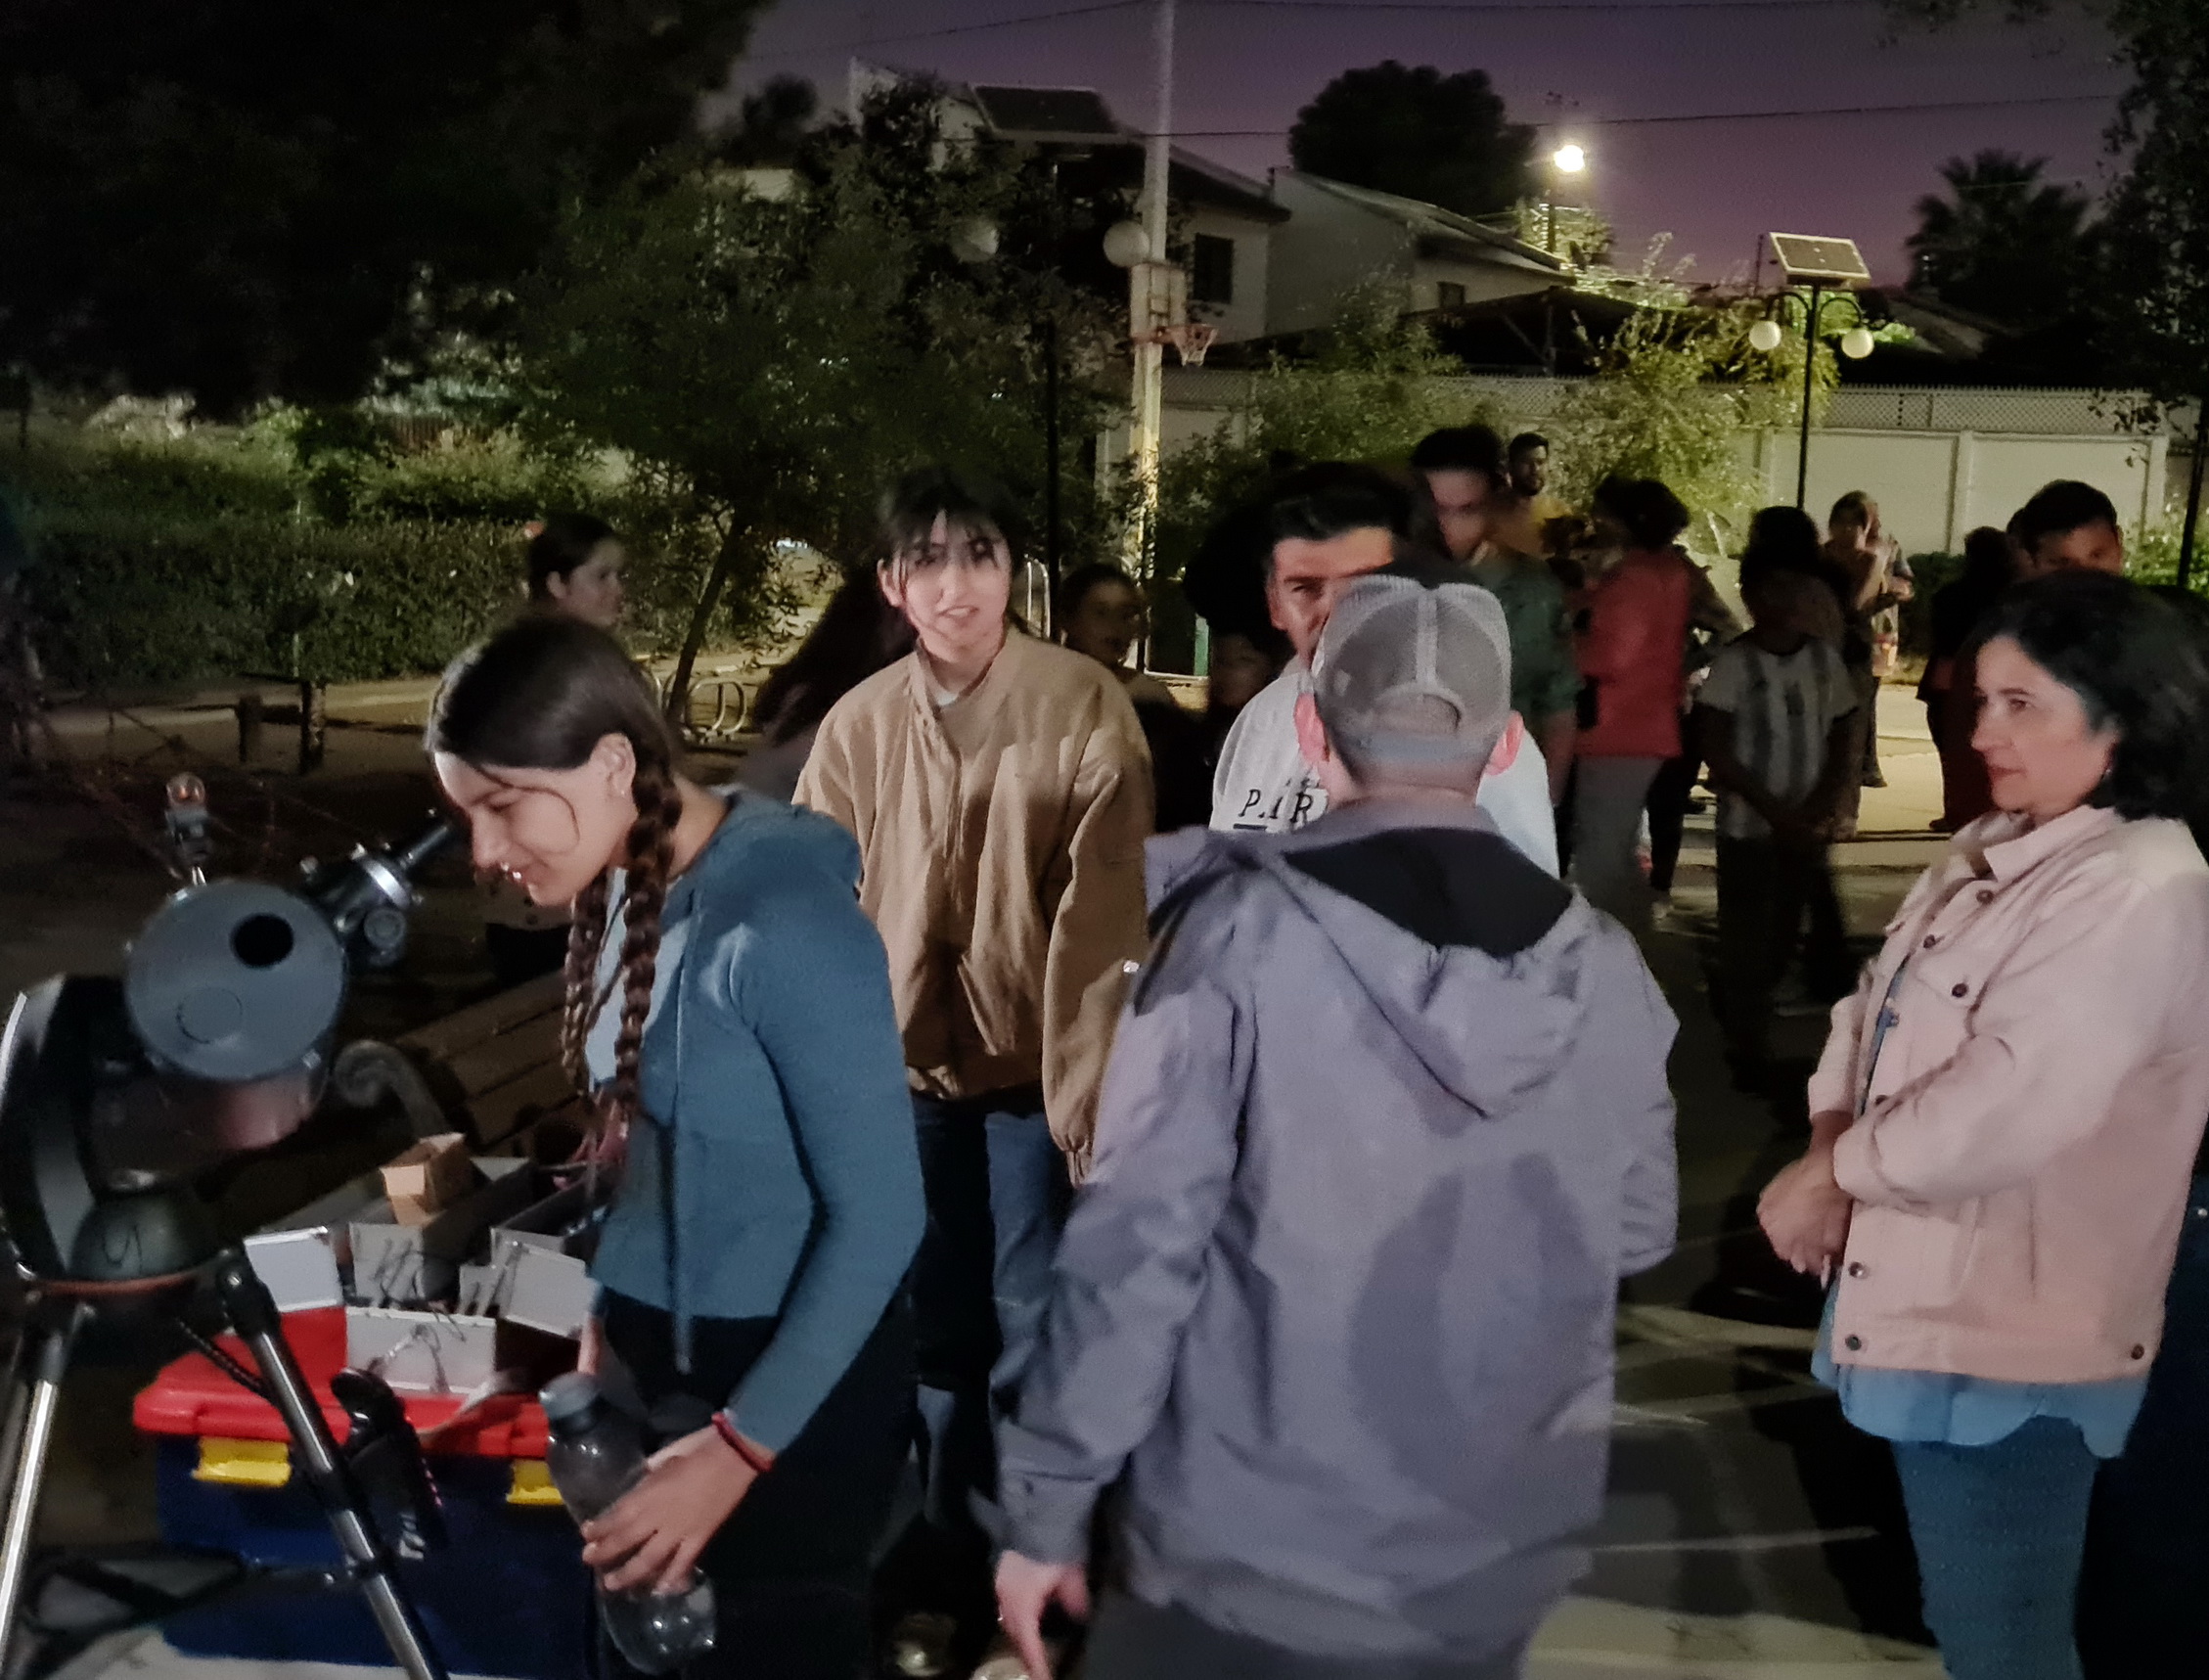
(488, 1072)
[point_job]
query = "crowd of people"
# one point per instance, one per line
(1207, 1147)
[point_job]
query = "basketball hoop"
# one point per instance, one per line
(1190, 339)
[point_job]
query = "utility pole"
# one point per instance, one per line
(1144, 277)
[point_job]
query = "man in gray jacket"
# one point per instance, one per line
(1386, 1124)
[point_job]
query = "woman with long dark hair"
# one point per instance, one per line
(574, 569)
(2005, 1120)
(857, 634)
(729, 1014)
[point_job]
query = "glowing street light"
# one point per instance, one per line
(1566, 159)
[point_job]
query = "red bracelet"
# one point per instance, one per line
(743, 1449)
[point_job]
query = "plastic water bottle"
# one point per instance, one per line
(593, 1458)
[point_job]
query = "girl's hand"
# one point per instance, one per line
(652, 1536)
(1805, 1215)
(1026, 1589)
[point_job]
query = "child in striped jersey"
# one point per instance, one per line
(1775, 716)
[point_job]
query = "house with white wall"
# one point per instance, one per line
(1338, 237)
(1224, 222)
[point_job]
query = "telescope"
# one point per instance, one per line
(217, 1041)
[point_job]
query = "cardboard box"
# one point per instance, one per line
(548, 1291)
(411, 1265)
(298, 1267)
(423, 1352)
(428, 1178)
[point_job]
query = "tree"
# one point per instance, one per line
(1675, 389)
(764, 365)
(2151, 292)
(2004, 243)
(245, 197)
(1414, 131)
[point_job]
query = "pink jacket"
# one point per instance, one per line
(1634, 651)
(2021, 1163)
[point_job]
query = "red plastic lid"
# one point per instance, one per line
(190, 1397)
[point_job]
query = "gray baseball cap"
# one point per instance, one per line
(1413, 678)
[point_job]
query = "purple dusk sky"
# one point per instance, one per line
(1245, 69)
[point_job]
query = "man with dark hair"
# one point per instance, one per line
(1385, 1125)
(1331, 524)
(2068, 524)
(1483, 524)
(1000, 791)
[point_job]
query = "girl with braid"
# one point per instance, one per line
(729, 1013)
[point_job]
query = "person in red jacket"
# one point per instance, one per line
(1631, 651)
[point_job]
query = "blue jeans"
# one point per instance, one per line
(2143, 1599)
(2000, 1530)
(997, 1196)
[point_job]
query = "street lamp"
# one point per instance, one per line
(1566, 159)
(1821, 263)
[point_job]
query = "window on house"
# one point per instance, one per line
(1211, 270)
(1447, 294)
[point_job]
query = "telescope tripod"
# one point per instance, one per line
(60, 1310)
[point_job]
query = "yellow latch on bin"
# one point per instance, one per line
(244, 1464)
(532, 1483)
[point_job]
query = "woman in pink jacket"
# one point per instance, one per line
(2005, 1117)
(1632, 653)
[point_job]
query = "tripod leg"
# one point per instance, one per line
(253, 1314)
(40, 1366)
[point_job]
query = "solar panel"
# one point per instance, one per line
(1809, 257)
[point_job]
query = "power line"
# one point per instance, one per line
(1458, 8)
(1089, 11)
(1725, 116)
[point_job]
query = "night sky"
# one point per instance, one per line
(1245, 70)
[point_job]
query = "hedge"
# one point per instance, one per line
(129, 597)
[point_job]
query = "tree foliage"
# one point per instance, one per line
(1675, 392)
(2003, 243)
(1372, 385)
(764, 365)
(1414, 131)
(247, 198)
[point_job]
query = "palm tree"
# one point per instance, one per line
(2005, 243)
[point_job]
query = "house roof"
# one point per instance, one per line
(1054, 115)
(1078, 117)
(1442, 234)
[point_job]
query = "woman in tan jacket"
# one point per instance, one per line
(2006, 1115)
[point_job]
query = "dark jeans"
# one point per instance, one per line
(2000, 1530)
(2144, 1599)
(790, 1568)
(1667, 808)
(1764, 890)
(1133, 1640)
(998, 1195)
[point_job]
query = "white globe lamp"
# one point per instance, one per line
(1126, 245)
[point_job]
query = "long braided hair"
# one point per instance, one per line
(541, 694)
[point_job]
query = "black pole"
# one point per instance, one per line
(2194, 490)
(1809, 366)
(1051, 532)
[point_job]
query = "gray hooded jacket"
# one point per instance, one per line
(1385, 1123)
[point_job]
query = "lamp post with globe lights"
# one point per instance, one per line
(1828, 266)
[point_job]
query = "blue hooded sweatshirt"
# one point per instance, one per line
(774, 1171)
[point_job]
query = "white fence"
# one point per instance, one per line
(1937, 460)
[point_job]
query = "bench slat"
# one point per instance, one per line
(494, 1015)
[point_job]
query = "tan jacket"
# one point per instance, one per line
(1001, 844)
(2021, 1162)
